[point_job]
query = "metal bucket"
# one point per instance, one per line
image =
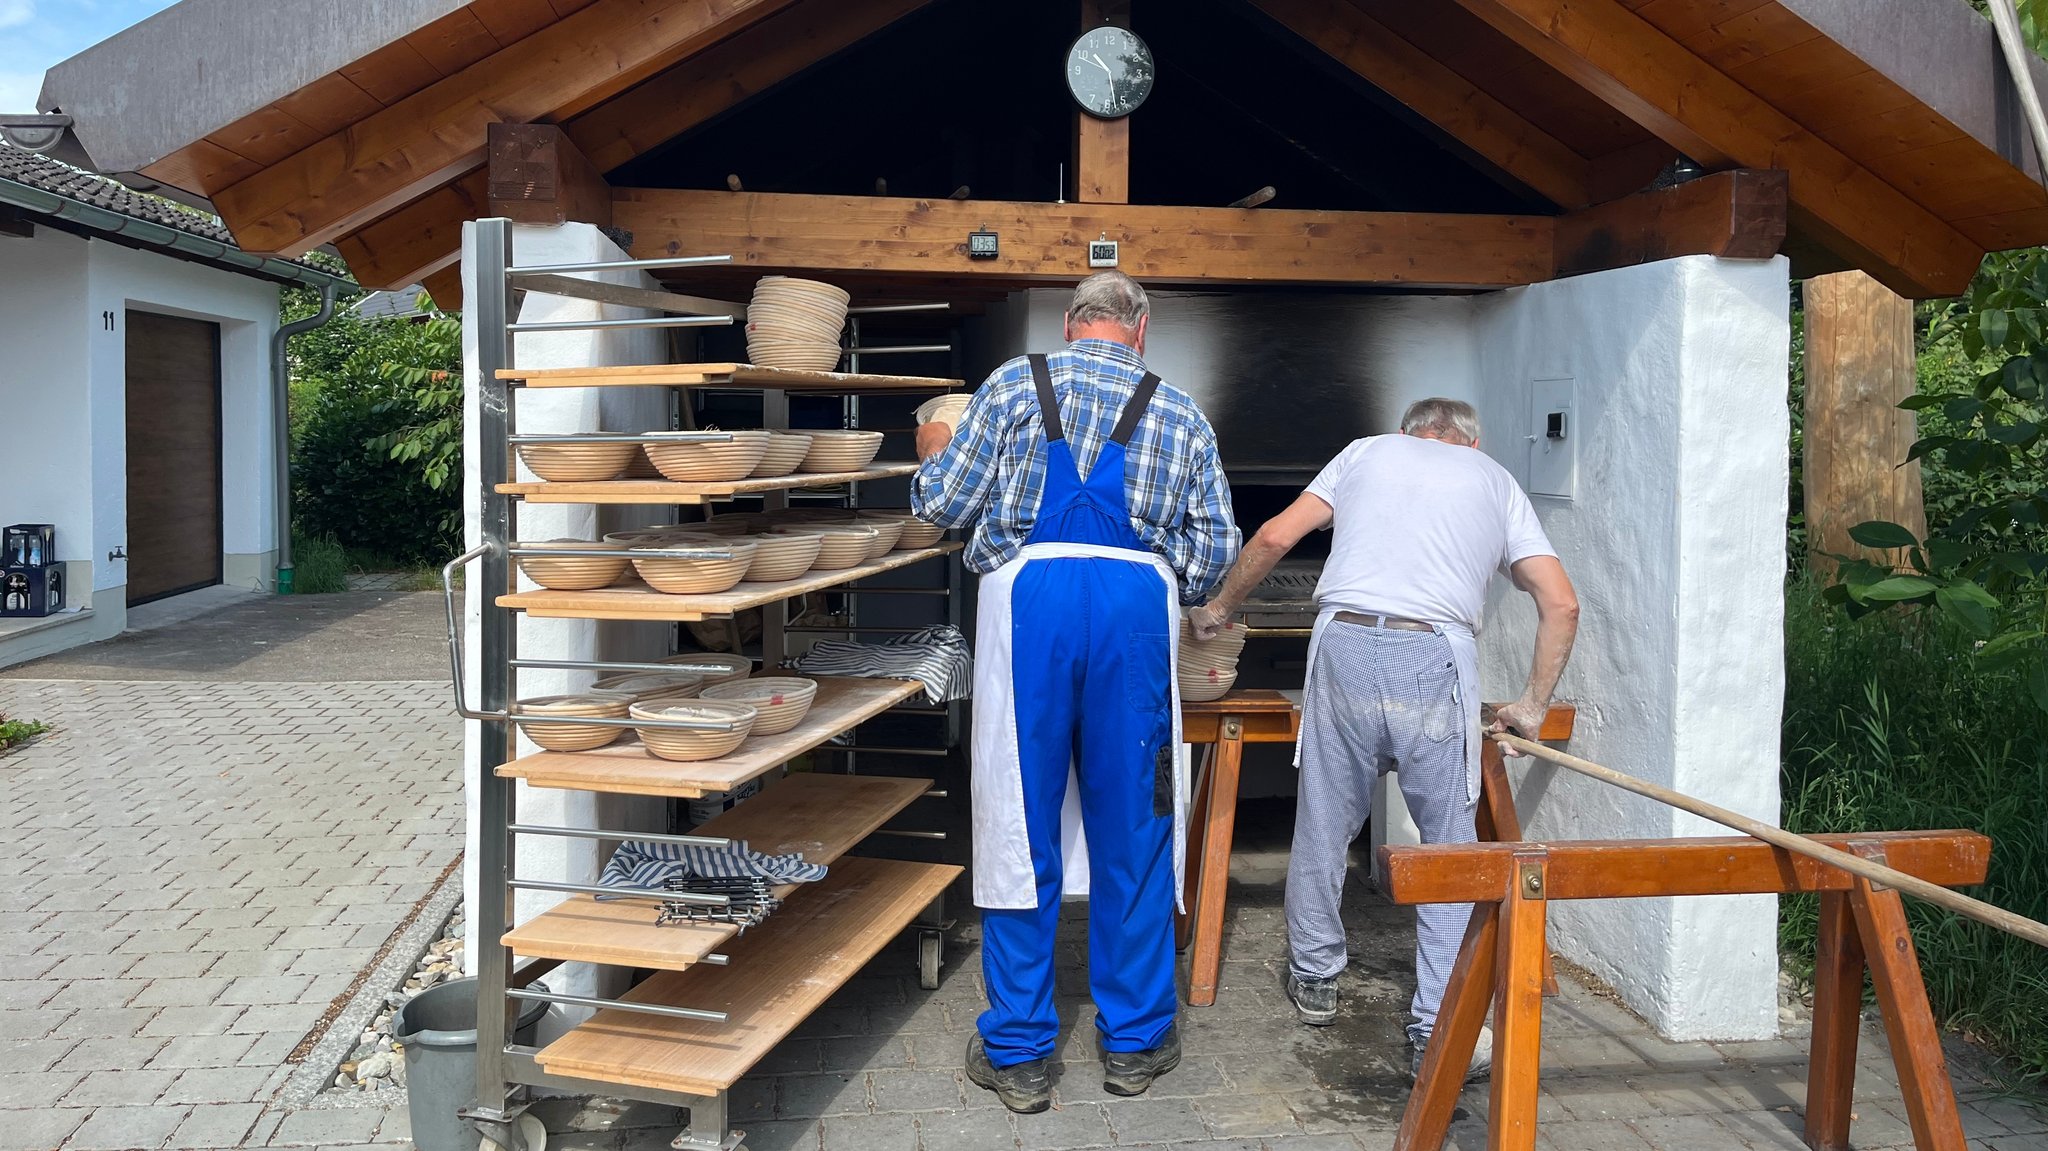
(437, 1028)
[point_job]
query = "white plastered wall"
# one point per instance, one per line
(561, 410)
(1675, 539)
(63, 386)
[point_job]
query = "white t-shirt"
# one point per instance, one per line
(1420, 527)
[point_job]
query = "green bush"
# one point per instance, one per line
(320, 565)
(18, 731)
(1891, 725)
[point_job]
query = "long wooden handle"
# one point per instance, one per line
(1913, 885)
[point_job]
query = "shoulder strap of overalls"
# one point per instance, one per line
(1048, 404)
(1134, 411)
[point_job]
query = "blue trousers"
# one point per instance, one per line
(1090, 673)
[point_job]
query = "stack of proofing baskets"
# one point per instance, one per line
(795, 324)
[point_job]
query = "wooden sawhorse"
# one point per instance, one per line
(1500, 963)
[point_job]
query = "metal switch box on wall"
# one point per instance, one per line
(1553, 436)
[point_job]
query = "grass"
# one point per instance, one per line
(320, 565)
(1890, 725)
(19, 731)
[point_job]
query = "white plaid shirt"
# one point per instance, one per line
(992, 476)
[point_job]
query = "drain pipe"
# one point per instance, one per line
(2005, 20)
(281, 429)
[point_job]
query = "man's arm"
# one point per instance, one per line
(1557, 624)
(957, 475)
(1208, 523)
(1275, 538)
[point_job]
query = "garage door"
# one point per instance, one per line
(174, 529)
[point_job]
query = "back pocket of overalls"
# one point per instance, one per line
(1436, 698)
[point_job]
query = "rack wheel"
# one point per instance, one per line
(531, 1130)
(930, 947)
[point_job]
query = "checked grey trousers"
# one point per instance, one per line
(1378, 700)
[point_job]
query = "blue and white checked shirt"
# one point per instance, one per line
(992, 476)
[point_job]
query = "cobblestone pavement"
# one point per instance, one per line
(203, 868)
(199, 870)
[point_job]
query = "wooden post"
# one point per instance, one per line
(1837, 1007)
(1518, 1006)
(1859, 365)
(538, 176)
(1498, 821)
(1427, 1118)
(1102, 148)
(1908, 1019)
(1220, 824)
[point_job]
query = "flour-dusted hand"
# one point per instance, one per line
(932, 438)
(1206, 622)
(1522, 717)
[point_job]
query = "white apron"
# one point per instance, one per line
(1464, 655)
(1004, 878)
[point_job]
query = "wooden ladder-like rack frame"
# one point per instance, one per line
(1502, 962)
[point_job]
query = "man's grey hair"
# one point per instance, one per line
(1110, 296)
(1453, 420)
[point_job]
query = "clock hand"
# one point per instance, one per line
(1101, 65)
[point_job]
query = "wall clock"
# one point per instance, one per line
(1109, 71)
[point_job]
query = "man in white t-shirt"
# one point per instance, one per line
(1422, 521)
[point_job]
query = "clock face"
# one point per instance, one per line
(1109, 70)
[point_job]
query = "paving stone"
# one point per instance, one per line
(216, 1085)
(980, 1130)
(864, 1052)
(216, 1126)
(174, 965)
(114, 1088)
(1081, 1125)
(1591, 1135)
(317, 1127)
(1240, 1116)
(126, 1128)
(266, 990)
(35, 1088)
(188, 1051)
(39, 1129)
(793, 1135)
(110, 1054)
(886, 1132)
(30, 1055)
(914, 1091)
(1158, 1121)
(105, 1022)
(820, 1096)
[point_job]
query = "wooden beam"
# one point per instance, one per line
(419, 239)
(1739, 214)
(1626, 869)
(437, 133)
(1860, 363)
(1661, 85)
(722, 77)
(1102, 148)
(1048, 242)
(445, 288)
(1492, 130)
(539, 176)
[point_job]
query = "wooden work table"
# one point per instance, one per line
(1221, 728)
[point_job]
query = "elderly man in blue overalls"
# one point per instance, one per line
(1097, 506)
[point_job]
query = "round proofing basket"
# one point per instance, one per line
(841, 545)
(643, 686)
(785, 452)
(576, 463)
(794, 355)
(573, 573)
(943, 409)
(573, 736)
(841, 451)
(1203, 689)
(916, 533)
(639, 467)
(689, 745)
(782, 700)
(887, 532)
(792, 287)
(696, 577)
(710, 462)
(778, 558)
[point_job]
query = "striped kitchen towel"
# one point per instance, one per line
(937, 656)
(648, 866)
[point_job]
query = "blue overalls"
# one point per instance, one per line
(1091, 681)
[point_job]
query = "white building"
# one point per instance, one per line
(136, 396)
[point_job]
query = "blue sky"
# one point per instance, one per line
(35, 34)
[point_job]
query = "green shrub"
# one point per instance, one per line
(1891, 725)
(18, 731)
(320, 565)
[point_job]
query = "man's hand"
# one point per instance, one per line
(1523, 717)
(932, 438)
(1206, 622)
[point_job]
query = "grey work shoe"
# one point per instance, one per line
(1482, 1057)
(1132, 1072)
(1025, 1088)
(1315, 1000)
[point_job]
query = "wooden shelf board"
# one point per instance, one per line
(638, 601)
(818, 816)
(672, 492)
(780, 972)
(628, 768)
(729, 375)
